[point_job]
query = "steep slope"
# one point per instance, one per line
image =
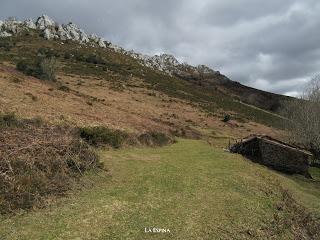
(167, 64)
(193, 187)
(83, 56)
(131, 105)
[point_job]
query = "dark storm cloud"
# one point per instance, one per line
(272, 45)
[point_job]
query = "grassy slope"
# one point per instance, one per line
(119, 68)
(196, 191)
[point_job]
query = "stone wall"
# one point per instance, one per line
(274, 154)
(282, 158)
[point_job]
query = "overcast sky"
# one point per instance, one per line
(272, 45)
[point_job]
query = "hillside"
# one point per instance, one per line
(207, 89)
(110, 143)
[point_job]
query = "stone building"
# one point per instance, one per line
(274, 154)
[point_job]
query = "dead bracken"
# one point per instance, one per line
(39, 160)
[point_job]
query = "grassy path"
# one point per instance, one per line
(194, 190)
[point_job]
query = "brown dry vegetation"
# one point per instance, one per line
(87, 100)
(39, 160)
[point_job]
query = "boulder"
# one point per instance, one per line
(12, 26)
(94, 38)
(101, 43)
(84, 37)
(30, 24)
(47, 33)
(5, 34)
(44, 22)
(61, 33)
(116, 48)
(72, 31)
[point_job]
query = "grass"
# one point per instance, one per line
(118, 68)
(195, 190)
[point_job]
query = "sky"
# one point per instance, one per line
(270, 45)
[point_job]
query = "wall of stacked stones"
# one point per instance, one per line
(283, 159)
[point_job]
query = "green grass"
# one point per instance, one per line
(196, 191)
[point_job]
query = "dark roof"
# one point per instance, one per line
(274, 141)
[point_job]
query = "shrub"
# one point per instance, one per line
(44, 68)
(154, 139)
(92, 58)
(47, 69)
(103, 136)
(8, 120)
(47, 53)
(226, 118)
(64, 88)
(39, 160)
(67, 55)
(6, 45)
(22, 65)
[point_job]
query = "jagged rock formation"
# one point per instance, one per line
(30, 24)
(52, 30)
(167, 64)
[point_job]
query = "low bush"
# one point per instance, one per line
(86, 58)
(47, 53)
(103, 136)
(39, 160)
(226, 118)
(67, 55)
(6, 44)
(154, 139)
(8, 120)
(47, 69)
(43, 68)
(95, 59)
(64, 88)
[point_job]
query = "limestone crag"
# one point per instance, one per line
(30, 24)
(51, 30)
(45, 22)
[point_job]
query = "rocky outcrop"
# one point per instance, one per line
(50, 30)
(53, 31)
(11, 26)
(170, 65)
(45, 22)
(167, 64)
(5, 34)
(30, 24)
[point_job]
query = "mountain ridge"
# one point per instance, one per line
(165, 63)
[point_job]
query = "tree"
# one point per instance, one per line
(304, 118)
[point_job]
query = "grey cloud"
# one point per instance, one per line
(272, 45)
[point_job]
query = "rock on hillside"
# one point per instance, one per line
(52, 30)
(167, 64)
